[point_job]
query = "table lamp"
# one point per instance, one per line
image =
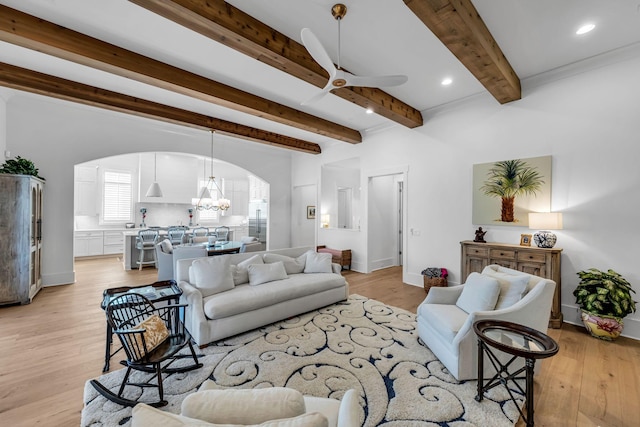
(545, 221)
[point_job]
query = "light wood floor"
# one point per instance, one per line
(48, 349)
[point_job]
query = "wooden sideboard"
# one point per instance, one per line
(529, 259)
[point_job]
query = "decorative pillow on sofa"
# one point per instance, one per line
(291, 265)
(317, 262)
(512, 287)
(166, 246)
(155, 332)
(240, 273)
(212, 275)
(480, 293)
(263, 273)
(246, 406)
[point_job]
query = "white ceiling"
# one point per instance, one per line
(378, 37)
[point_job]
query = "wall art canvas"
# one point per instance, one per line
(505, 191)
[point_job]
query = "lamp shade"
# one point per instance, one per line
(154, 190)
(545, 221)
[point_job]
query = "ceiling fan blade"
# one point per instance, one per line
(318, 96)
(375, 81)
(317, 51)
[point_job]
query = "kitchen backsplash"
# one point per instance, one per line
(159, 214)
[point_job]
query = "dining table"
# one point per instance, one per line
(219, 248)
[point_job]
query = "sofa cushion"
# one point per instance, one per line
(240, 272)
(480, 293)
(512, 289)
(143, 415)
(446, 319)
(244, 298)
(317, 262)
(212, 275)
(264, 273)
(248, 239)
(246, 406)
(291, 265)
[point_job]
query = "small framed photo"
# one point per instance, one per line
(525, 240)
(311, 212)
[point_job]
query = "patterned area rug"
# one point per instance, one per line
(360, 344)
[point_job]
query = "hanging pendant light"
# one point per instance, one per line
(154, 190)
(204, 199)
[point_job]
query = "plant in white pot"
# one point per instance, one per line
(605, 299)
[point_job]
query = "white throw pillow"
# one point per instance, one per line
(291, 265)
(512, 288)
(317, 262)
(166, 246)
(480, 293)
(246, 406)
(263, 273)
(143, 415)
(212, 275)
(240, 273)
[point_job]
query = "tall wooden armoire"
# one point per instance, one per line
(21, 238)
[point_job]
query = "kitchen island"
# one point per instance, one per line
(130, 253)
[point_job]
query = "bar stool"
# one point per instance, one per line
(146, 242)
(176, 235)
(222, 233)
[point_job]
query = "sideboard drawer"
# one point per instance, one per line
(478, 251)
(532, 256)
(503, 254)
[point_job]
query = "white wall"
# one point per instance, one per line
(585, 118)
(383, 229)
(56, 135)
(304, 229)
(3, 124)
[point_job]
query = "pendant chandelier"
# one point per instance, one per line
(204, 199)
(154, 190)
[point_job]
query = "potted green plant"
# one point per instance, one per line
(20, 166)
(604, 299)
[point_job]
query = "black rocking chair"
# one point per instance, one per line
(150, 337)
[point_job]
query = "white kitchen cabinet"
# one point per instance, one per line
(177, 176)
(112, 242)
(88, 243)
(237, 191)
(240, 232)
(85, 190)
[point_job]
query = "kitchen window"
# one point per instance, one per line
(117, 196)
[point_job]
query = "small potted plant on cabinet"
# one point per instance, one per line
(604, 299)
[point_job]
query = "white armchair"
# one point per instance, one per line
(275, 407)
(447, 329)
(164, 257)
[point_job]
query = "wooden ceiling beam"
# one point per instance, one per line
(31, 32)
(461, 29)
(230, 26)
(56, 87)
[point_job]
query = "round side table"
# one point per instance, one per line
(518, 341)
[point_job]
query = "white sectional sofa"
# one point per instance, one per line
(230, 294)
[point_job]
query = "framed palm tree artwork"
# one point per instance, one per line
(504, 192)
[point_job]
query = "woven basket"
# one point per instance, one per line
(429, 282)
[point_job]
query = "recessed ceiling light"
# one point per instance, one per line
(585, 29)
(369, 111)
(446, 82)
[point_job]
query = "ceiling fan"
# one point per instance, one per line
(337, 76)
